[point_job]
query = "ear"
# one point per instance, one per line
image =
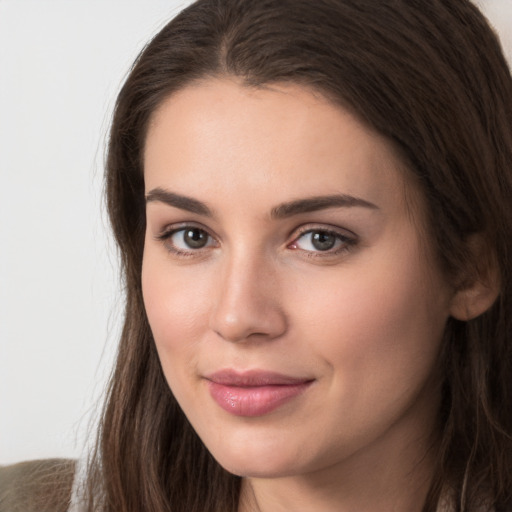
(481, 282)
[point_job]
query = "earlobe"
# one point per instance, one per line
(482, 284)
(473, 301)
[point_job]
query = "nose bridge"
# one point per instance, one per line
(247, 302)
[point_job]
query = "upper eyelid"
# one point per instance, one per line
(170, 229)
(337, 230)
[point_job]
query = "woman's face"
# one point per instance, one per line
(296, 312)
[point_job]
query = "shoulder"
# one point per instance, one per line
(36, 486)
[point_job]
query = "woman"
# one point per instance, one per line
(312, 205)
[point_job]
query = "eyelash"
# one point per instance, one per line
(345, 242)
(166, 235)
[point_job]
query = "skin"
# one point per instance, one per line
(363, 321)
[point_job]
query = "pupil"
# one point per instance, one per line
(323, 241)
(195, 238)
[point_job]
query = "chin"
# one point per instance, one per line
(258, 462)
(258, 469)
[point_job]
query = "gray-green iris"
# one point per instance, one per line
(195, 238)
(323, 241)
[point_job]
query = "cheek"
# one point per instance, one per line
(377, 318)
(177, 307)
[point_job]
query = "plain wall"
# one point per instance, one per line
(61, 65)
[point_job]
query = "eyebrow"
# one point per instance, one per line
(312, 204)
(284, 210)
(178, 201)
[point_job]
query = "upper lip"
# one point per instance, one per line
(229, 377)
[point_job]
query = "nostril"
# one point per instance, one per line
(249, 322)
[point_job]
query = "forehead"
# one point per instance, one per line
(284, 140)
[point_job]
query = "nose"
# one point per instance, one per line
(247, 302)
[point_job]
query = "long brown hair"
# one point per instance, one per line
(431, 77)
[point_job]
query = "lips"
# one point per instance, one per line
(254, 393)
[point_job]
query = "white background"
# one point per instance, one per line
(61, 65)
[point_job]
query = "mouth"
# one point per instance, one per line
(254, 393)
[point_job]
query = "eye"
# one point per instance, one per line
(190, 238)
(186, 240)
(322, 240)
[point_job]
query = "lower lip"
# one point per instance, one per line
(254, 400)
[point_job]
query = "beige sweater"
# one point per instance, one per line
(36, 486)
(46, 486)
